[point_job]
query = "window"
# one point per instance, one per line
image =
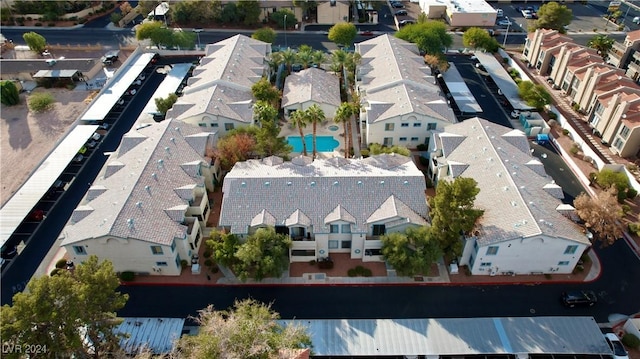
(333, 244)
(431, 126)
(618, 144)
(202, 124)
(346, 244)
(161, 264)
(379, 229)
(417, 124)
(387, 141)
(334, 228)
(571, 250)
(228, 126)
(415, 139)
(624, 132)
(79, 250)
(563, 263)
(178, 260)
(492, 250)
(346, 228)
(332, 3)
(404, 124)
(214, 125)
(156, 250)
(485, 264)
(173, 246)
(403, 139)
(389, 126)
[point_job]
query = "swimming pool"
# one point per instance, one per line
(323, 143)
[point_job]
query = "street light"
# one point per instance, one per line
(504, 43)
(198, 31)
(285, 30)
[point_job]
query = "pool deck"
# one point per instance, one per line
(321, 130)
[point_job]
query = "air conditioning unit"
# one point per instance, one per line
(155, 269)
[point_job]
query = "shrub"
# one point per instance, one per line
(38, 24)
(634, 228)
(208, 262)
(565, 132)
(367, 272)
(352, 272)
(422, 147)
(553, 117)
(574, 149)
(585, 258)
(424, 161)
(632, 167)
(215, 269)
(592, 177)
(184, 263)
(631, 193)
(29, 18)
(626, 208)
(359, 270)
(575, 107)
(40, 102)
(51, 24)
(364, 153)
(56, 271)
(547, 276)
(631, 341)
(9, 93)
(207, 254)
(127, 276)
(61, 263)
(312, 262)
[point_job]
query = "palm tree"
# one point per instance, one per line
(602, 43)
(343, 116)
(338, 61)
(288, 58)
(305, 58)
(314, 114)
(319, 57)
(274, 61)
(298, 119)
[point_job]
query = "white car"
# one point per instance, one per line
(515, 114)
(619, 352)
(504, 22)
(527, 14)
(636, 20)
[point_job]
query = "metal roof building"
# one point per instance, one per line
(519, 336)
(23, 201)
(504, 81)
(169, 85)
(460, 91)
(156, 334)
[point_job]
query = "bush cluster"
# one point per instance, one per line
(127, 276)
(359, 271)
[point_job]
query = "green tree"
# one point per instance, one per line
(183, 39)
(307, 6)
(278, 17)
(40, 102)
(603, 215)
(602, 43)
(289, 56)
(553, 16)
(35, 41)
(115, 18)
(269, 142)
(264, 254)
(343, 115)
(343, 34)
(9, 93)
(156, 32)
(314, 115)
(608, 178)
(224, 247)
(54, 309)
(376, 149)
(164, 104)
(452, 213)
(412, 252)
(266, 34)
(299, 120)
(437, 62)
(305, 56)
(249, 11)
(263, 111)
(263, 90)
(431, 37)
(478, 38)
(249, 330)
(534, 95)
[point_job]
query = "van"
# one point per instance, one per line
(500, 13)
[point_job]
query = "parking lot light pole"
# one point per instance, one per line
(504, 43)
(285, 30)
(198, 31)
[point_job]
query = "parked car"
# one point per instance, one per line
(401, 13)
(397, 5)
(515, 114)
(636, 20)
(504, 22)
(9, 252)
(104, 126)
(579, 297)
(96, 136)
(78, 158)
(619, 352)
(406, 22)
(110, 57)
(91, 144)
(500, 12)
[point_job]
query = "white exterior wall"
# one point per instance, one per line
(322, 243)
(376, 131)
(129, 255)
(329, 110)
(330, 15)
(210, 119)
(470, 19)
(514, 256)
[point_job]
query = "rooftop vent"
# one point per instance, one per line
(243, 184)
(382, 183)
(313, 184)
(289, 183)
(154, 176)
(139, 204)
(267, 184)
(336, 183)
(130, 222)
(172, 140)
(359, 183)
(148, 188)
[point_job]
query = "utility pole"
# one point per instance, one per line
(504, 43)
(198, 31)
(285, 31)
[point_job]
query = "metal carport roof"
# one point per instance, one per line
(460, 91)
(117, 86)
(23, 201)
(455, 336)
(504, 81)
(55, 73)
(168, 86)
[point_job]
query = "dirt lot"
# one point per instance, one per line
(26, 138)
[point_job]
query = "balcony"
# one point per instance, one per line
(633, 70)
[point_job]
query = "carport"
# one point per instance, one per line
(57, 77)
(460, 92)
(503, 80)
(23, 201)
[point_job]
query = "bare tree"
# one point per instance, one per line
(602, 215)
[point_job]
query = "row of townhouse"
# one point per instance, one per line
(402, 103)
(602, 91)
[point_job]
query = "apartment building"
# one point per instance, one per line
(621, 52)
(460, 12)
(616, 118)
(541, 49)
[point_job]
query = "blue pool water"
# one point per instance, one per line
(323, 143)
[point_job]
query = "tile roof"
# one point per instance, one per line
(313, 85)
(221, 84)
(149, 190)
(512, 193)
(633, 36)
(323, 192)
(395, 81)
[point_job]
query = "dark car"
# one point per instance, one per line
(579, 297)
(401, 13)
(406, 22)
(397, 5)
(110, 57)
